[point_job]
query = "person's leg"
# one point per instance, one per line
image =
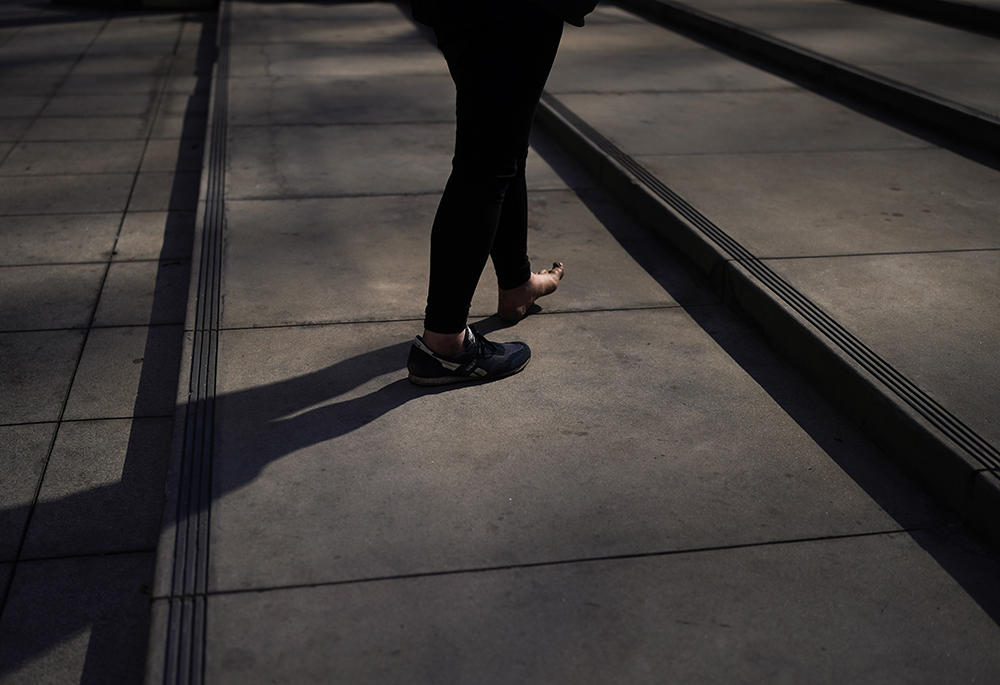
(518, 286)
(499, 71)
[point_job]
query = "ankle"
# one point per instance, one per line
(445, 344)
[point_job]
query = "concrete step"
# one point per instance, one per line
(978, 15)
(929, 74)
(750, 176)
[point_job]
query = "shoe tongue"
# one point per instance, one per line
(470, 337)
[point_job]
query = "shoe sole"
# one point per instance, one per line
(447, 380)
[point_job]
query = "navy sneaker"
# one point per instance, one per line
(482, 361)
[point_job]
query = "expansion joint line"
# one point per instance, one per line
(185, 648)
(977, 447)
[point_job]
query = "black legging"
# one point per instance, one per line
(499, 67)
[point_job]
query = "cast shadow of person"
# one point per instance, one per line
(261, 425)
(258, 426)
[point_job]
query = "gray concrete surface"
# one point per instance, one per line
(941, 60)
(100, 114)
(877, 228)
(657, 497)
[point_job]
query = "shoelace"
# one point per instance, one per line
(482, 345)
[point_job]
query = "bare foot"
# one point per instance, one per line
(513, 304)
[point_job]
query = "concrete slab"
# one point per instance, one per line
(73, 157)
(126, 371)
(734, 122)
(189, 83)
(125, 65)
(89, 128)
(77, 620)
(338, 161)
(874, 610)
(837, 203)
(630, 55)
(932, 316)
(840, 200)
(165, 191)
(23, 453)
(21, 105)
(317, 100)
(857, 34)
(680, 449)
(73, 35)
(11, 130)
(374, 16)
(332, 161)
(103, 105)
(170, 155)
(103, 489)
(111, 84)
(144, 293)
(178, 126)
(49, 297)
(192, 59)
(331, 60)
(29, 85)
(35, 372)
(959, 82)
(184, 103)
(49, 239)
(93, 194)
(310, 261)
(24, 66)
(156, 235)
(921, 54)
(151, 33)
(329, 25)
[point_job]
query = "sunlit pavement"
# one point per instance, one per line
(657, 497)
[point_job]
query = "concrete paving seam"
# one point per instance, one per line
(959, 467)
